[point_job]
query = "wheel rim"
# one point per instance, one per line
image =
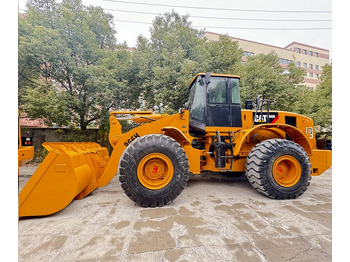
(155, 171)
(286, 171)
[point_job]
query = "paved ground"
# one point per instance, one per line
(215, 219)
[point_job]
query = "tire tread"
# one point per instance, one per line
(257, 164)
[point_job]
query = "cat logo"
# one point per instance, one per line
(265, 118)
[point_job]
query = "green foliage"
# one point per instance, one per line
(43, 101)
(321, 100)
(76, 135)
(175, 53)
(39, 155)
(71, 72)
(317, 104)
(128, 125)
(222, 56)
(162, 65)
(263, 75)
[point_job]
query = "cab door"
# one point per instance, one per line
(235, 102)
(218, 102)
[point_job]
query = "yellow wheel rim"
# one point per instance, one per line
(155, 171)
(286, 171)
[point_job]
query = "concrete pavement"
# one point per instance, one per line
(216, 218)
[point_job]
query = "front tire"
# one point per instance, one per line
(153, 170)
(278, 169)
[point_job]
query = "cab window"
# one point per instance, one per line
(234, 87)
(217, 91)
(197, 99)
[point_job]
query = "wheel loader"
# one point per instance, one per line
(276, 150)
(25, 150)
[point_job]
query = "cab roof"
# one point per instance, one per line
(212, 74)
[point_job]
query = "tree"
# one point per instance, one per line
(71, 72)
(222, 56)
(263, 75)
(162, 65)
(175, 53)
(321, 100)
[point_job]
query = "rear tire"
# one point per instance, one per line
(153, 170)
(278, 169)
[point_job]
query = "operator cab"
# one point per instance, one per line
(214, 100)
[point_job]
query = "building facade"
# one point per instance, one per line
(310, 58)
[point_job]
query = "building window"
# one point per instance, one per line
(317, 76)
(285, 61)
(246, 53)
(298, 64)
(316, 54)
(310, 53)
(316, 67)
(305, 65)
(304, 52)
(311, 74)
(298, 50)
(311, 66)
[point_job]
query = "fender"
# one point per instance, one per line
(294, 133)
(193, 154)
(177, 134)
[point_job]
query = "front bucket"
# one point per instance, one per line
(69, 171)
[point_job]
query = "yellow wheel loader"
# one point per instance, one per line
(26, 151)
(276, 150)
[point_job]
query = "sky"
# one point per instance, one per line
(250, 19)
